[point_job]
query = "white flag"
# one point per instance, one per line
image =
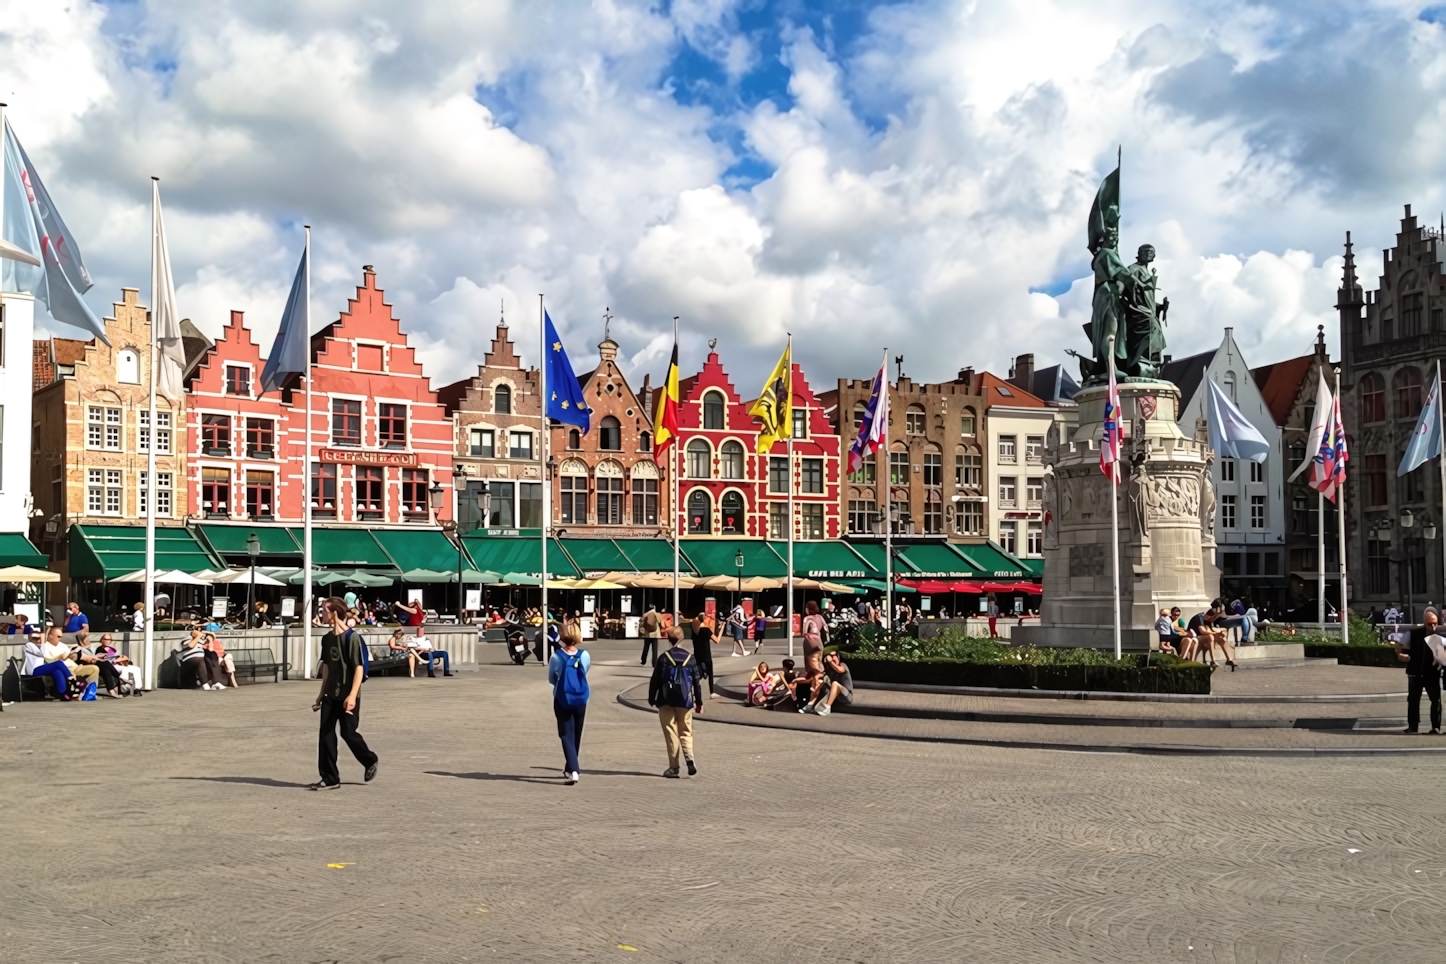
(1318, 425)
(165, 321)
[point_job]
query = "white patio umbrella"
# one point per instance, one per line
(172, 577)
(243, 575)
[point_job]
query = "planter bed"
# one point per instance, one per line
(1165, 674)
(1372, 655)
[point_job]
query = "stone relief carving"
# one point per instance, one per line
(1207, 502)
(1051, 510)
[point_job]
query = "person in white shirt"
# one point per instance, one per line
(138, 618)
(422, 651)
(37, 665)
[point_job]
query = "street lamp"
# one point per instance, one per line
(738, 564)
(253, 549)
(1407, 521)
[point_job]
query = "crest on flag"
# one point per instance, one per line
(1148, 404)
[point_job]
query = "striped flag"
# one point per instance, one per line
(1110, 443)
(871, 428)
(1329, 470)
(665, 423)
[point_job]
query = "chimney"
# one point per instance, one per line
(966, 376)
(1023, 372)
(648, 394)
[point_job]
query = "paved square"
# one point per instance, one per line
(174, 828)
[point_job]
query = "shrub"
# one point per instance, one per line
(1039, 669)
(1373, 654)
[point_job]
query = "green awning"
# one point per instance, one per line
(716, 557)
(519, 556)
(420, 549)
(101, 552)
(16, 550)
(651, 555)
(939, 561)
(230, 540)
(992, 562)
(873, 553)
(825, 560)
(598, 555)
(344, 548)
(877, 585)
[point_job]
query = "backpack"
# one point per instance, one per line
(650, 622)
(678, 690)
(366, 656)
(572, 688)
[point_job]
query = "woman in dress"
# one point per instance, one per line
(814, 629)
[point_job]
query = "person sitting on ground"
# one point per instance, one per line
(791, 680)
(222, 665)
(422, 652)
(1169, 639)
(37, 665)
(21, 626)
(761, 685)
(191, 658)
(839, 683)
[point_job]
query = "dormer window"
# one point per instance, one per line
(238, 380)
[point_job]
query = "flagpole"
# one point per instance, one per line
(789, 614)
(888, 487)
(1341, 523)
(1115, 514)
(306, 593)
(677, 474)
(1441, 461)
(542, 459)
(150, 487)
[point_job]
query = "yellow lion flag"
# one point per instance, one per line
(774, 407)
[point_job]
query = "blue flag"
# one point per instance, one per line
(288, 352)
(1426, 437)
(1231, 434)
(564, 395)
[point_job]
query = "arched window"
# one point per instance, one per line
(859, 409)
(1373, 398)
(730, 458)
(1230, 385)
(914, 420)
(645, 441)
(610, 435)
(1407, 384)
(713, 410)
(128, 367)
(700, 513)
(573, 486)
(700, 458)
(574, 440)
(502, 400)
(730, 513)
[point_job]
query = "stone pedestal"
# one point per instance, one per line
(1166, 505)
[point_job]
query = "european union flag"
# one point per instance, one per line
(564, 395)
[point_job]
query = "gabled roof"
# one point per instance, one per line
(1280, 383)
(1186, 373)
(1054, 384)
(997, 391)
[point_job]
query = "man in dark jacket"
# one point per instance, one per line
(342, 674)
(677, 692)
(1422, 673)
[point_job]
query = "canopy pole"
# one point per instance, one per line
(542, 461)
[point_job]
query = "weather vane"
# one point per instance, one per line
(712, 344)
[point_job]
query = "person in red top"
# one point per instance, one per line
(415, 614)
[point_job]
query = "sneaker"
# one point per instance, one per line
(447, 674)
(205, 686)
(370, 774)
(692, 769)
(671, 773)
(322, 785)
(1410, 729)
(573, 777)
(1436, 731)
(823, 709)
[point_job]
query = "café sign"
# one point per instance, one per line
(368, 457)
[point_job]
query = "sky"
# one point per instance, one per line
(912, 177)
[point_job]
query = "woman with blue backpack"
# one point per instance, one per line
(567, 672)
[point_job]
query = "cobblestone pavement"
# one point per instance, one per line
(175, 829)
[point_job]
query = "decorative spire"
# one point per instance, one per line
(502, 317)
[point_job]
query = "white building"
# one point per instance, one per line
(1250, 520)
(1018, 425)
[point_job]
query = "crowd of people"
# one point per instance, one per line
(1205, 632)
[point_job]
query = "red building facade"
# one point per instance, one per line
(731, 491)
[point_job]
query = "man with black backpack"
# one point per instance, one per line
(677, 692)
(343, 668)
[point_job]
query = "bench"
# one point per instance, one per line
(19, 686)
(382, 659)
(254, 665)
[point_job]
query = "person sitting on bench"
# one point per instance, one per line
(56, 651)
(191, 659)
(128, 672)
(422, 652)
(109, 678)
(36, 665)
(1169, 639)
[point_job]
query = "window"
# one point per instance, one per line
(529, 505)
(700, 513)
(867, 473)
(898, 468)
(163, 495)
(1008, 536)
(1034, 538)
(645, 502)
(1034, 491)
(216, 491)
(574, 499)
(345, 421)
(914, 420)
(370, 491)
(163, 434)
(260, 438)
(502, 399)
(970, 519)
(260, 494)
(1378, 567)
(113, 429)
(503, 505)
(1373, 398)
(730, 513)
(94, 427)
(966, 425)
(415, 497)
(216, 434)
(933, 515)
(369, 358)
(1257, 512)
(778, 520)
(128, 367)
(900, 521)
(969, 470)
(323, 490)
(811, 519)
(1007, 491)
(778, 474)
(645, 441)
(1302, 519)
(1414, 485)
(519, 445)
(1413, 313)
(861, 516)
(574, 439)
(238, 380)
(95, 491)
(1227, 512)
(1407, 383)
(860, 410)
(610, 435)
(800, 423)
(812, 476)
(392, 425)
(700, 459)
(1007, 448)
(1257, 471)
(713, 411)
(1229, 381)
(730, 460)
(609, 500)
(1227, 470)
(483, 443)
(1034, 448)
(1375, 480)
(933, 468)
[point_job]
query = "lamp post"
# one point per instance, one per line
(1407, 521)
(253, 549)
(1428, 532)
(738, 564)
(459, 489)
(434, 494)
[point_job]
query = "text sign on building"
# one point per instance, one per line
(836, 574)
(368, 457)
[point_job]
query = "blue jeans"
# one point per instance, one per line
(569, 730)
(1243, 622)
(431, 656)
(58, 672)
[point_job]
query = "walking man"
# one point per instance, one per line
(1422, 673)
(675, 691)
(567, 672)
(650, 624)
(340, 698)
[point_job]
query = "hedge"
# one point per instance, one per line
(1165, 674)
(1372, 655)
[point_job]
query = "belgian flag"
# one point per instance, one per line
(665, 424)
